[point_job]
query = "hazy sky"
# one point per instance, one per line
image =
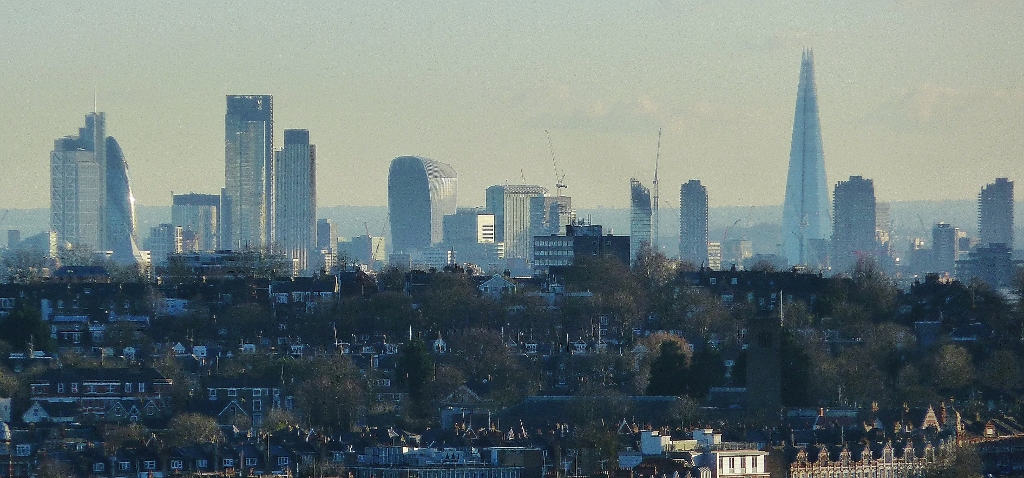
(926, 97)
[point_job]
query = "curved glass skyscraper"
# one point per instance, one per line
(122, 236)
(806, 224)
(421, 192)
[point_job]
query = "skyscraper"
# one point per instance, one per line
(639, 218)
(855, 223)
(248, 206)
(995, 213)
(511, 206)
(805, 217)
(945, 248)
(295, 193)
(197, 213)
(693, 222)
(77, 185)
(91, 201)
(421, 192)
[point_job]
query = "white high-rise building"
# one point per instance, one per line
(295, 196)
(77, 185)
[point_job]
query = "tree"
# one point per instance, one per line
(193, 429)
(330, 393)
(413, 372)
(669, 371)
(952, 368)
(964, 463)
(277, 419)
(25, 325)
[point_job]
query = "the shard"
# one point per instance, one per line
(805, 218)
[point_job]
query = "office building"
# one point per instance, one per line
(735, 252)
(470, 233)
(693, 223)
(579, 241)
(805, 217)
(247, 207)
(77, 185)
(326, 235)
(639, 218)
(855, 223)
(91, 201)
(550, 214)
(197, 216)
(945, 248)
(295, 199)
(421, 192)
(995, 213)
(164, 240)
(368, 250)
(510, 205)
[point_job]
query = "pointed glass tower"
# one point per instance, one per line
(805, 217)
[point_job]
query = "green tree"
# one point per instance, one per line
(952, 368)
(413, 372)
(24, 325)
(669, 371)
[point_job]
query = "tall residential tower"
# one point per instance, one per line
(247, 208)
(805, 217)
(693, 223)
(995, 213)
(295, 198)
(855, 222)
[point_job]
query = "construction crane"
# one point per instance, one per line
(559, 180)
(657, 218)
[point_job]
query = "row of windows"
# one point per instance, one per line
(93, 389)
(233, 392)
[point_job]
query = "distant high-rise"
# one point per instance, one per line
(693, 222)
(855, 222)
(805, 217)
(248, 206)
(421, 192)
(995, 213)
(945, 248)
(326, 235)
(91, 201)
(77, 185)
(639, 218)
(197, 214)
(511, 206)
(295, 193)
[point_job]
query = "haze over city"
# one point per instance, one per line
(923, 97)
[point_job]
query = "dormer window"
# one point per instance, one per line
(128, 387)
(232, 392)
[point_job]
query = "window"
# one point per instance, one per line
(732, 462)
(228, 462)
(743, 462)
(128, 387)
(142, 387)
(282, 461)
(176, 465)
(123, 465)
(97, 467)
(232, 392)
(213, 394)
(74, 388)
(201, 463)
(753, 462)
(149, 464)
(257, 392)
(23, 450)
(60, 388)
(250, 461)
(735, 281)
(714, 280)
(257, 405)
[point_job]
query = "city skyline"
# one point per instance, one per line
(477, 86)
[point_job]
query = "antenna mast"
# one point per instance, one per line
(657, 158)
